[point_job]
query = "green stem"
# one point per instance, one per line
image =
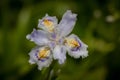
(49, 75)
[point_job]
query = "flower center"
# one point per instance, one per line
(72, 43)
(43, 53)
(48, 24)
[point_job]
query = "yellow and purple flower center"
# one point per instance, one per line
(72, 43)
(43, 53)
(48, 24)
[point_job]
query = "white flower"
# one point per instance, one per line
(54, 41)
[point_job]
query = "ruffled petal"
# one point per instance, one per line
(76, 52)
(59, 53)
(46, 63)
(41, 56)
(48, 23)
(39, 37)
(67, 23)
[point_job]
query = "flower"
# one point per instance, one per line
(53, 40)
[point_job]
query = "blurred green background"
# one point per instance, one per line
(98, 25)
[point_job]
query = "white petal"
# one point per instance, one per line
(76, 54)
(59, 53)
(67, 23)
(45, 63)
(38, 36)
(41, 63)
(81, 52)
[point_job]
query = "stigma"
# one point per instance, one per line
(43, 53)
(48, 24)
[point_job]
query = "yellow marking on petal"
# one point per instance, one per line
(72, 42)
(48, 24)
(43, 53)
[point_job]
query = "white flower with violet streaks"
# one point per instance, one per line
(53, 41)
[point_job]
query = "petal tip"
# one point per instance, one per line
(28, 37)
(31, 62)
